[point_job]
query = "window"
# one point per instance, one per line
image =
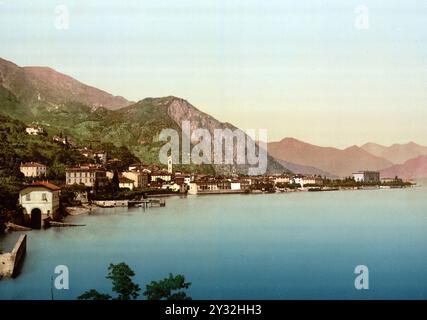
(28, 197)
(44, 196)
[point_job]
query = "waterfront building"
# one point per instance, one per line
(125, 183)
(88, 175)
(33, 169)
(389, 180)
(173, 187)
(40, 200)
(214, 186)
(162, 175)
(139, 178)
(298, 179)
(312, 180)
(367, 176)
(281, 179)
(306, 180)
(182, 179)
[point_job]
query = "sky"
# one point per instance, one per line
(329, 72)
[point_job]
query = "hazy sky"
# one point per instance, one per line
(297, 68)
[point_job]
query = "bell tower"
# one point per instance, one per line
(170, 164)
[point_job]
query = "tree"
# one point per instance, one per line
(115, 182)
(120, 275)
(164, 289)
(92, 294)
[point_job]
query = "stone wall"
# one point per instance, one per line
(10, 262)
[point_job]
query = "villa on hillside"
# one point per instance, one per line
(99, 155)
(33, 169)
(40, 201)
(34, 130)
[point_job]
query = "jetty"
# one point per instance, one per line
(64, 224)
(147, 203)
(144, 203)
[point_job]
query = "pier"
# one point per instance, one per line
(144, 203)
(147, 203)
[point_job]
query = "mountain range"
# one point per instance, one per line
(396, 153)
(412, 169)
(63, 104)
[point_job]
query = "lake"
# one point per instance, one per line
(302, 245)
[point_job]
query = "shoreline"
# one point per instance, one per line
(88, 208)
(79, 210)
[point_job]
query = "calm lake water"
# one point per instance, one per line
(277, 246)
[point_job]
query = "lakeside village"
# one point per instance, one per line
(43, 203)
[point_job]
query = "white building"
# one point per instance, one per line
(40, 200)
(33, 169)
(298, 180)
(367, 176)
(235, 185)
(171, 186)
(306, 180)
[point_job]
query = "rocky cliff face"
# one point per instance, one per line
(180, 110)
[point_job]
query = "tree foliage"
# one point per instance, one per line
(121, 277)
(92, 294)
(170, 288)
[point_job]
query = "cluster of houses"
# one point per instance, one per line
(40, 200)
(139, 176)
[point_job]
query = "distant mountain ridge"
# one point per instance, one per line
(412, 169)
(63, 104)
(335, 161)
(396, 153)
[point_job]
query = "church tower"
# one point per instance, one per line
(170, 164)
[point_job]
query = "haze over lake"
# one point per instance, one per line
(301, 245)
